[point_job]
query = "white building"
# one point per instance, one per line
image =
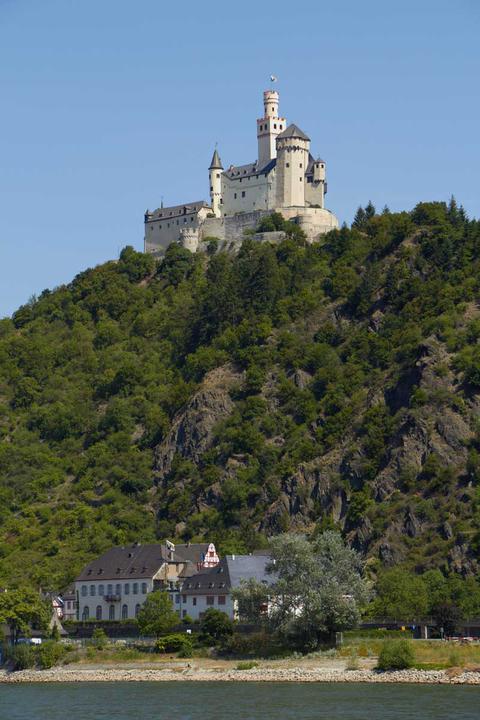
(213, 589)
(285, 178)
(115, 585)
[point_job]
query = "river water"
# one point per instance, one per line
(236, 701)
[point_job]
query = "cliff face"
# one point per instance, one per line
(235, 395)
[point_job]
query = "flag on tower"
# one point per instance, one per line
(273, 78)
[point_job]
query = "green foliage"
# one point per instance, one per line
(50, 653)
(99, 638)
(330, 338)
(401, 595)
(396, 655)
(22, 610)
(316, 590)
(246, 665)
(157, 615)
(175, 643)
(21, 657)
(215, 627)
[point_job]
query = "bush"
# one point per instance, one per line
(176, 642)
(247, 665)
(50, 653)
(99, 639)
(396, 655)
(215, 626)
(21, 656)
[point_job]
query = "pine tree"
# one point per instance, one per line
(369, 210)
(359, 219)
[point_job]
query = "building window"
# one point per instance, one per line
(210, 599)
(84, 591)
(137, 609)
(184, 598)
(194, 601)
(135, 588)
(126, 588)
(301, 179)
(124, 612)
(101, 590)
(221, 599)
(301, 165)
(234, 196)
(111, 612)
(191, 218)
(177, 599)
(86, 613)
(118, 589)
(287, 164)
(184, 613)
(98, 612)
(109, 589)
(275, 125)
(218, 175)
(144, 588)
(243, 193)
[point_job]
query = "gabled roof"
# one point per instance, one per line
(228, 574)
(293, 131)
(216, 163)
(142, 561)
(129, 561)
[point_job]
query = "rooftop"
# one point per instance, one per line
(293, 131)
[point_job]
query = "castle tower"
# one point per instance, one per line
(293, 148)
(215, 175)
(268, 128)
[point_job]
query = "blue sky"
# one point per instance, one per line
(108, 105)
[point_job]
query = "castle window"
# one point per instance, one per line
(184, 220)
(221, 201)
(218, 175)
(234, 196)
(243, 193)
(301, 179)
(191, 218)
(287, 164)
(211, 188)
(275, 125)
(301, 165)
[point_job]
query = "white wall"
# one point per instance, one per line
(195, 605)
(130, 599)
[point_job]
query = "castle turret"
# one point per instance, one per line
(268, 128)
(215, 174)
(293, 148)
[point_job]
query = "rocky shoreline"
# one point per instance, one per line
(455, 676)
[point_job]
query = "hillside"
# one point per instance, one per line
(236, 396)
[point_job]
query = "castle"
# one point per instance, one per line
(285, 178)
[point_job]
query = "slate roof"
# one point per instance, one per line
(228, 574)
(140, 561)
(216, 162)
(165, 213)
(293, 131)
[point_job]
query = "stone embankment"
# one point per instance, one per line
(193, 674)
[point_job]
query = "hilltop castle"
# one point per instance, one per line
(285, 178)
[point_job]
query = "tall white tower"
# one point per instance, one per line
(293, 148)
(268, 128)
(215, 175)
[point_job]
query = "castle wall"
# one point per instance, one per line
(160, 232)
(246, 194)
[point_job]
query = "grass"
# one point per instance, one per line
(246, 665)
(429, 654)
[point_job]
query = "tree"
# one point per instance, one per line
(215, 626)
(22, 610)
(316, 589)
(401, 595)
(157, 616)
(360, 219)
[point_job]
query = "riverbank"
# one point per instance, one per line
(194, 672)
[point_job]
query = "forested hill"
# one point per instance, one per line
(234, 396)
